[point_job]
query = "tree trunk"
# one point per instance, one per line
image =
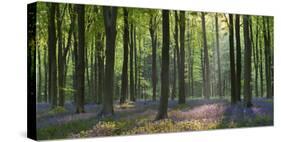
(257, 57)
(110, 16)
(176, 36)
(174, 75)
(60, 60)
(52, 55)
(162, 110)
(238, 58)
(45, 76)
(247, 62)
(206, 59)
(81, 59)
(261, 67)
(232, 61)
(100, 64)
(218, 55)
(182, 59)
(153, 35)
(136, 69)
(254, 57)
(124, 85)
(39, 92)
(132, 90)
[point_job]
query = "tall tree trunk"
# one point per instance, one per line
(45, 76)
(60, 60)
(52, 55)
(39, 92)
(93, 91)
(162, 110)
(254, 57)
(110, 17)
(100, 64)
(247, 62)
(182, 59)
(238, 58)
(132, 90)
(261, 67)
(270, 60)
(176, 36)
(153, 35)
(124, 85)
(206, 59)
(203, 72)
(218, 55)
(257, 59)
(81, 59)
(232, 61)
(189, 85)
(136, 69)
(174, 75)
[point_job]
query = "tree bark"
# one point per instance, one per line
(39, 92)
(81, 59)
(132, 86)
(182, 59)
(153, 35)
(162, 110)
(247, 62)
(45, 76)
(110, 16)
(124, 85)
(52, 55)
(206, 59)
(232, 61)
(238, 58)
(218, 55)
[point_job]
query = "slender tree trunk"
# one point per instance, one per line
(45, 76)
(39, 92)
(93, 91)
(174, 75)
(153, 35)
(100, 64)
(218, 55)
(110, 17)
(267, 58)
(247, 62)
(60, 57)
(261, 67)
(176, 36)
(132, 90)
(52, 55)
(270, 61)
(254, 57)
(182, 59)
(257, 57)
(238, 58)
(232, 61)
(81, 59)
(189, 88)
(136, 69)
(206, 59)
(203, 72)
(124, 85)
(162, 111)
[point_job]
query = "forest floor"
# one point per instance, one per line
(138, 118)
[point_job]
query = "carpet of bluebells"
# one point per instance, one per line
(138, 118)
